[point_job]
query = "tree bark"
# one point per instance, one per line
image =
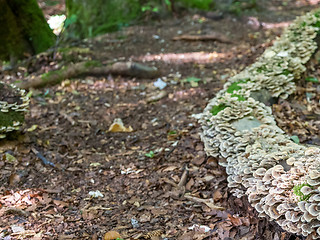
(88, 18)
(23, 30)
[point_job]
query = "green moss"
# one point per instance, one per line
(297, 191)
(92, 64)
(48, 75)
(35, 27)
(317, 24)
(286, 72)
(240, 97)
(235, 86)
(7, 119)
(77, 50)
(217, 108)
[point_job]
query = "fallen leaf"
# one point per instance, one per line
(111, 235)
(157, 96)
(117, 126)
(14, 179)
(217, 195)
(235, 221)
(32, 128)
(189, 184)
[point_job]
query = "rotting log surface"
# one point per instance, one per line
(13, 104)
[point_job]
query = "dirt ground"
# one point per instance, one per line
(68, 177)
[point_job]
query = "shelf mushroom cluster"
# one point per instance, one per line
(14, 102)
(280, 178)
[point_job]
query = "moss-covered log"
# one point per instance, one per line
(23, 29)
(13, 104)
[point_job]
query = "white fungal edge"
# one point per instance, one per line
(5, 107)
(262, 162)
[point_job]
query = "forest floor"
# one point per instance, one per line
(155, 182)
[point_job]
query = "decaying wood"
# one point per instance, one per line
(207, 37)
(131, 69)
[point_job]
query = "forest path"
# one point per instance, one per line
(146, 177)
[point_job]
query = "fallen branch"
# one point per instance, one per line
(131, 69)
(208, 202)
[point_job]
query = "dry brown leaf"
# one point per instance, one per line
(217, 195)
(157, 96)
(189, 184)
(14, 179)
(111, 235)
(60, 203)
(235, 220)
(117, 126)
(169, 168)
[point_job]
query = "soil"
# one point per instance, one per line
(66, 176)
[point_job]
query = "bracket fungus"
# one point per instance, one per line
(14, 102)
(280, 178)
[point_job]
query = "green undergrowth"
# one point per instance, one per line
(312, 79)
(112, 15)
(200, 4)
(297, 191)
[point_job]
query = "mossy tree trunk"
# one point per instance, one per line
(23, 29)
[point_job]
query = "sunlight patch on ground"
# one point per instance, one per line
(307, 2)
(275, 25)
(180, 58)
(186, 94)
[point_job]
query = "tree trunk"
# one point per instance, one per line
(23, 29)
(88, 18)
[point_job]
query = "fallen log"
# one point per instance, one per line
(280, 178)
(130, 69)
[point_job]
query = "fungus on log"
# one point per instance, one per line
(280, 178)
(13, 105)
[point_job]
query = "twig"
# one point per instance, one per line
(42, 158)
(184, 177)
(208, 202)
(17, 211)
